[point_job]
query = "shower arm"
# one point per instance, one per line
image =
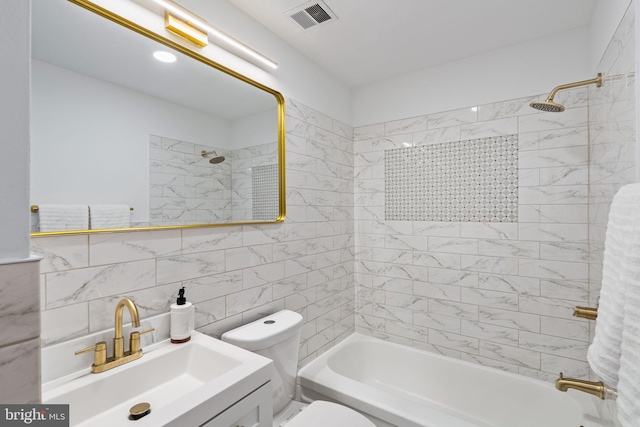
(597, 81)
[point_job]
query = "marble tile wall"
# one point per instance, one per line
(612, 154)
(20, 342)
(184, 188)
(498, 294)
(612, 144)
(233, 274)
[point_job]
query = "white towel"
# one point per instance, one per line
(109, 216)
(63, 217)
(629, 374)
(604, 351)
(614, 354)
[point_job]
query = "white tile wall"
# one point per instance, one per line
(612, 154)
(499, 294)
(612, 133)
(233, 274)
(20, 342)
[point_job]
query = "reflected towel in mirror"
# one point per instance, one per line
(63, 217)
(109, 216)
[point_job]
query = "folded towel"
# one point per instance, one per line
(109, 216)
(63, 217)
(614, 354)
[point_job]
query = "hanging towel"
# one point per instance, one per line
(604, 351)
(63, 217)
(614, 354)
(629, 374)
(109, 216)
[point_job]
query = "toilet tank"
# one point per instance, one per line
(277, 337)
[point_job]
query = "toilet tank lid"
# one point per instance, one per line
(265, 332)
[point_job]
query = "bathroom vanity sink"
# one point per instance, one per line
(186, 385)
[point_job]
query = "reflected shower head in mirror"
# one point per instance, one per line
(554, 107)
(215, 159)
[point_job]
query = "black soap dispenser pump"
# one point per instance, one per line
(181, 319)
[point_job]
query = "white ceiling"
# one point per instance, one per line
(377, 39)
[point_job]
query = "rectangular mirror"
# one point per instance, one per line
(182, 144)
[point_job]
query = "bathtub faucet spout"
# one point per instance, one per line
(595, 388)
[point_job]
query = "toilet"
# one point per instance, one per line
(278, 337)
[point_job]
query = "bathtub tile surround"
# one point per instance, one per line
(612, 141)
(473, 180)
(233, 274)
(20, 343)
(612, 145)
(495, 293)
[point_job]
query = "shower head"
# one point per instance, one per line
(215, 159)
(554, 107)
(548, 106)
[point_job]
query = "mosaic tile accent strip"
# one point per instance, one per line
(474, 181)
(264, 185)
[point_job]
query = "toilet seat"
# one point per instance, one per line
(322, 414)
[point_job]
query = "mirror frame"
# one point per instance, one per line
(105, 13)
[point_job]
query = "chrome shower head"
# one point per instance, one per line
(548, 106)
(215, 159)
(553, 107)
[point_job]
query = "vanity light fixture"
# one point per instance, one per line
(185, 29)
(164, 56)
(191, 20)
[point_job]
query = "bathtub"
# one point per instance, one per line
(397, 385)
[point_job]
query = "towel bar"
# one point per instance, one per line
(36, 209)
(586, 312)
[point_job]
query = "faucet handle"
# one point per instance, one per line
(134, 339)
(100, 354)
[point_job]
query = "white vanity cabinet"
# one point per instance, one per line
(254, 410)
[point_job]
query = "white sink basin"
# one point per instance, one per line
(186, 384)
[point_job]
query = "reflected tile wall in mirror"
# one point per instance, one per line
(184, 188)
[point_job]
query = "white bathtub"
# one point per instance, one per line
(400, 386)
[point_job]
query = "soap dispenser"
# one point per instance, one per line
(181, 319)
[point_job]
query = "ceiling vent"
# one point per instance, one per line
(311, 15)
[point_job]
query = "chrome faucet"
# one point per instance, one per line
(595, 388)
(120, 357)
